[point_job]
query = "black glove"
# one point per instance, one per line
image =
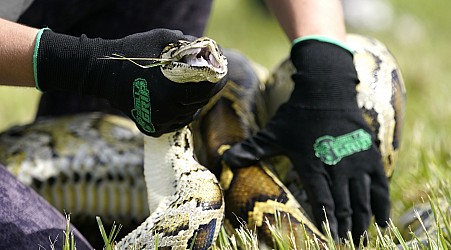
(322, 131)
(156, 104)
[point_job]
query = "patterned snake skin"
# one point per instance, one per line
(92, 164)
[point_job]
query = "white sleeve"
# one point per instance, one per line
(12, 9)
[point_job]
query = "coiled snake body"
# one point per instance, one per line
(92, 164)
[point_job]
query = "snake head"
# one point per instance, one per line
(196, 61)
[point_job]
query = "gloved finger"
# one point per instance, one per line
(174, 114)
(343, 212)
(319, 193)
(200, 93)
(182, 122)
(189, 37)
(155, 40)
(251, 150)
(169, 127)
(380, 198)
(360, 203)
(159, 130)
(199, 103)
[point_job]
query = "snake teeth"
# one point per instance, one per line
(199, 60)
(199, 57)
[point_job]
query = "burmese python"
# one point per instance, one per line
(91, 164)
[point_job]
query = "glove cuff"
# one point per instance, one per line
(326, 77)
(70, 63)
(35, 57)
(323, 39)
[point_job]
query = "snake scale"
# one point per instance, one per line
(94, 164)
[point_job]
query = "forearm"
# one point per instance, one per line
(16, 54)
(309, 17)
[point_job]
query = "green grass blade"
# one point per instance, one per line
(103, 233)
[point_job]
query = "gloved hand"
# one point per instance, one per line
(156, 104)
(321, 129)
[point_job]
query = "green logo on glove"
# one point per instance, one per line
(141, 112)
(332, 149)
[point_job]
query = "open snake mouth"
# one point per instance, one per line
(185, 61)
(200, 55)
(200, 58)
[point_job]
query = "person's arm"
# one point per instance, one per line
(57, 62)
(301, 18)
(16, 54)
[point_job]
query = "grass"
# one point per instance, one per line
(68, 238)
(243, 238)
(111, 238)
(390, 238)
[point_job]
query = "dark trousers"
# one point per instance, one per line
(27, 221)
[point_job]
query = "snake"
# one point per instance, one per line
(174, 191)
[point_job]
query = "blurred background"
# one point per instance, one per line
(417, 32)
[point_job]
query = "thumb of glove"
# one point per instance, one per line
(251, 150)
